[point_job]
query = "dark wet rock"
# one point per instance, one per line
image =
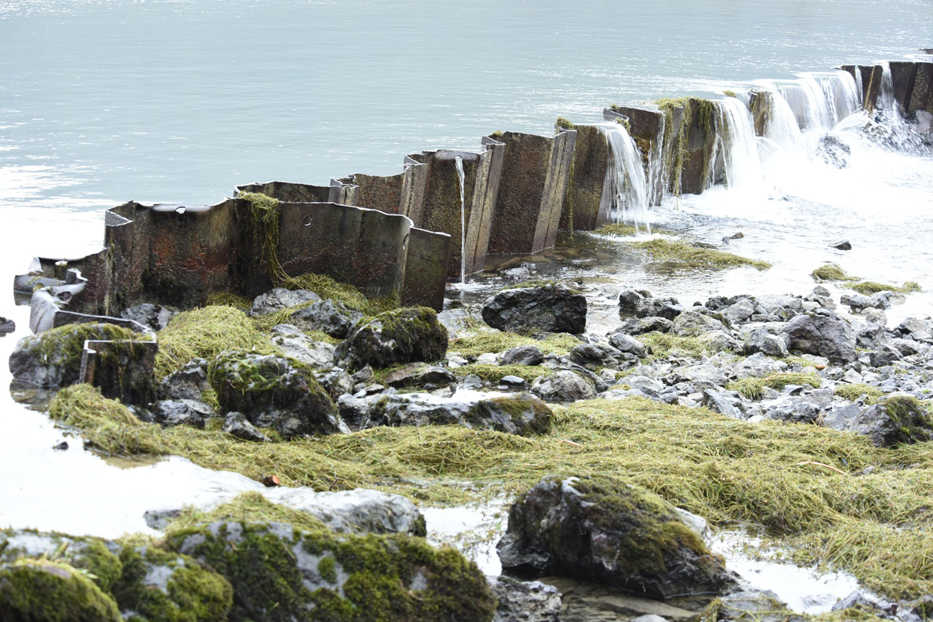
(920, 330)
(908, 347)
(870, 335)
(521, 414)
(188, 383)
(155, 317)
(297, 345)
(834, 152)
(755, 605)
(600, 530)
(727, 403)
(627, 344)
(273, 392)
(356, 511)
(525, 601)
(522, 355)
(640, 326)
(563, 386)
(640, 304)
(898, 419)
(52, 359)
(400, 336)
(354, 410)
(419, 375)
(279, 572)
(842, 245)
(63, 446)
(336, 381)
(328, 316)
(181, 412)
(693, 324)
(885, 355)
(236, 424)
(594, 355)
(6, 326)
(551, 308)
(39, 589)
(860, 302)
(281, 298)
(823, 335)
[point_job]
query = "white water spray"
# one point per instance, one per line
(460, 178)
(739, 144)
(625, 176)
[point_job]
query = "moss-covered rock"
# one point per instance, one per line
(164, 586)
(598, 529)
(33, 590)
(898, 419)
(95, 556)
(53, 359)
(280, 573)
(273, 392)
(400, 336)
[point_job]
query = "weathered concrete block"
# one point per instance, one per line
(121, 369)
(382, 193)
(432, 199)
(585, 205)
(690, 156)
(534, 178)
(290, 192)
(921, 97)
(426, 268)
(903, 74)
(872, 77)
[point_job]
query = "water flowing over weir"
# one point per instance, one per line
(625, 186)
(739, 144)
(458, 160)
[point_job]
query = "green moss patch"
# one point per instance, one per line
(664, 344)
(33, 589)
(495, 373)
(853, 392)
(871, 287)
(831, 272)
(682, 255)
(204, 333)
(753, 388)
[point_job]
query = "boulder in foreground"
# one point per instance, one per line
(549, 308)
(399, 336)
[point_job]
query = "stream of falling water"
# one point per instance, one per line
(625, 177)
(460, 179)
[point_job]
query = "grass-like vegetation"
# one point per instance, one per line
(495, 373)
(617, 228)
(499, 341)
(753, 387)
(205, 332)
(250, 507)
(832, 272)
(802, 483)
(665, 344)
(683, 255)
(853, 392)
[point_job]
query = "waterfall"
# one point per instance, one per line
(656, 181)
(625, 176)
(460, 178)
(739, 144)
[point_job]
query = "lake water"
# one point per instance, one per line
(178, 101)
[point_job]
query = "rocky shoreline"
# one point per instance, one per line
(800, 417)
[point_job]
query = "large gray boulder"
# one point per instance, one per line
(550, 308)
(823, 335)
(601, 530)
(521, 414)
(563, 386)
(328, 316)
(694, 324)
(400, 336)
(273, 392)
(898, 419)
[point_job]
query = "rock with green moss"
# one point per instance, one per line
(280, 573)
(34, 590)
(898, 419)
(273, 392)
(521, 414)
(601, 530)
(53, 359)
(95, 556)
(403, 335)
(549, 308)
(164, 586)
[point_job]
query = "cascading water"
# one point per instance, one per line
(739, 144)
(460, 179)
(625, 177)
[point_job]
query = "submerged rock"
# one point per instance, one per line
(550, 308)
(823, 335)
(604, 531)
(521, 414)
(280, 573)
(898, 419)
(273, 392)
(401, 336)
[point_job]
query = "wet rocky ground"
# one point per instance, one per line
(618, 430)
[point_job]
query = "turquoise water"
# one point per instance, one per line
(106, 101)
